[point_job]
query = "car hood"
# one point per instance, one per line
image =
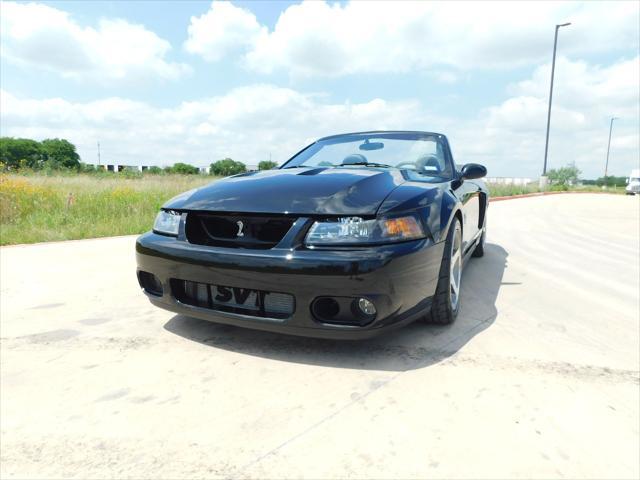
(302, 191)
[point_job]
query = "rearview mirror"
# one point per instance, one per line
(367, 145)
(473, 170)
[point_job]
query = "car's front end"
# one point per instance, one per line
(285, 286)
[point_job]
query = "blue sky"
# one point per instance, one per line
(160, 82)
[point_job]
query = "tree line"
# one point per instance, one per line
(221, 168)
(570, 175)
(60, 154)
(52, 153)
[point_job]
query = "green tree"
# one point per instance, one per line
(18, 152)
(611, 181)
(227, 167)
(154, 170)
(60, 153)
(564, 176)
(184, 169)
(267, 165)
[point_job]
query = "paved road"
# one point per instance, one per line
(537, 378)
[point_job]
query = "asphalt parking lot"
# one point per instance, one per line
(537, 378)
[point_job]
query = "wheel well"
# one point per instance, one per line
(483, 209)
(459, 215)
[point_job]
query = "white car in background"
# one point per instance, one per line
(633, 184)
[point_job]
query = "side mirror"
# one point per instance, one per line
(472, 170)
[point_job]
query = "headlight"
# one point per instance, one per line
(167, 222)
(351, 230)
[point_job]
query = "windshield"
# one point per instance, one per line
(423, 153)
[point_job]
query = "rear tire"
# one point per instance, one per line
(446, 301)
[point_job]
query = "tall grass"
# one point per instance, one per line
(501, 190)
(39, 208)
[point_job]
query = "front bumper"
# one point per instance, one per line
(400, 279)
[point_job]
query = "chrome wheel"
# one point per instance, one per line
(456, 267)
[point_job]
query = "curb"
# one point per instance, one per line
(541, 194)
(53, 242)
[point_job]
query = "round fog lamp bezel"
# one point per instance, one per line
(363, 304)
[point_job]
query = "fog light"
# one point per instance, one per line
(367, 307)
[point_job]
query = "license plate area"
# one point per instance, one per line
(256, 303)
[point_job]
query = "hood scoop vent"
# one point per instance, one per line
(313, 171)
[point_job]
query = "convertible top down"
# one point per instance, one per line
(355, 234)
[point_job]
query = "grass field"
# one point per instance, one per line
(40, 208)
(499, 190)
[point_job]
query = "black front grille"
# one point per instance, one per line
(236, 231)
(255, 303)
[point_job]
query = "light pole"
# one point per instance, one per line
(553, 68)
(606, 165)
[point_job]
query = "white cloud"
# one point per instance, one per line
(250, 123)
(511, 135)
(317, 38)
(222, 30)
(247, 124)
(611, 90)
(38, 35)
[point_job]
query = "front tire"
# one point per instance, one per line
(446, 301)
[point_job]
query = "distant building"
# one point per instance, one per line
(114, 167)
(509, 180)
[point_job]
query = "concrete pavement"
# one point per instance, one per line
(537, 378)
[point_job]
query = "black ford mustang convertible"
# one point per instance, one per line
(355, 234)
